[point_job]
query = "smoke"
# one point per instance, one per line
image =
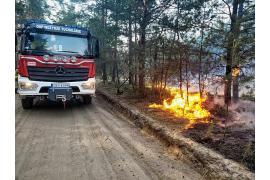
(243, 113)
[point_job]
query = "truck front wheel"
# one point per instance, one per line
(87, 99)
(27, 103)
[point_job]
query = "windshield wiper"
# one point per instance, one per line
(69, 52)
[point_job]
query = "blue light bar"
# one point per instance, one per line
(60, 29)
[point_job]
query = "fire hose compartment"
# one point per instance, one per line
(59, 93)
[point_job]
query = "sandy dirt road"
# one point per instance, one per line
(89, 142)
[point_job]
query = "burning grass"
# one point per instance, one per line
(236, 142)
(185, 105)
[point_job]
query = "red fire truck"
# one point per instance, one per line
(55, 62)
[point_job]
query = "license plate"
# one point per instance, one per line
(60, 85)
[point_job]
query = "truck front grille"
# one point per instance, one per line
(52, 74)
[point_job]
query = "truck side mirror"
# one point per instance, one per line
(94, 46)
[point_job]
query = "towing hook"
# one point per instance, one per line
(64, 99)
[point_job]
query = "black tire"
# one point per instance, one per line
(87, 99)
(27, 103)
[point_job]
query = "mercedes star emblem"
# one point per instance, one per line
(60, 70)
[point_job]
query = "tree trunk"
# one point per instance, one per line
(155, 74)
(187, 79)
(235, 89)
(130, 75)
(135, 54)
(114, 71)
(162, 69)
(104, 72)
(180, 67)
(104, 68)
(141, 61)
(117, 74)
(200, 69)
(200, 60)
(228, 75)
(236, 53)
(142, 51)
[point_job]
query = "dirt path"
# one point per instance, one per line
(89, 142)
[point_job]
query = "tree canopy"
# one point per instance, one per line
(201, 44)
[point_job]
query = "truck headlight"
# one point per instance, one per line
(88, 85)
(27, 86)
(73, 59)
(46, 57)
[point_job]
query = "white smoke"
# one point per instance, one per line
(243, 113)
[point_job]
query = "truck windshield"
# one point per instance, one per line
(53, 43)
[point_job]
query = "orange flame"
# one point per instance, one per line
(184, 106)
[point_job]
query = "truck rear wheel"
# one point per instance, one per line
(27, 103)
(87, 99)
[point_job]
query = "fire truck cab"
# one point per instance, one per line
(55, 62)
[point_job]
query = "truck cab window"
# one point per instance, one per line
(55, 43)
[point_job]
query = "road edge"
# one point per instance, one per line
(217, 166)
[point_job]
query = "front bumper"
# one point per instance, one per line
(44, 84)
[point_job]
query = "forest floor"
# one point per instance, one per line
(232, 134)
